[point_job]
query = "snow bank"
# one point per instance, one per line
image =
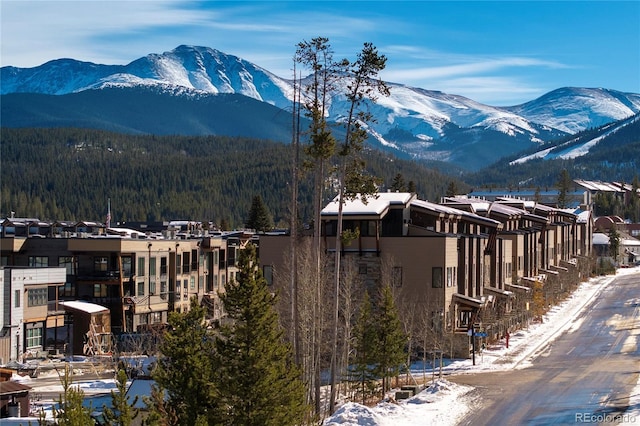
(424, 408)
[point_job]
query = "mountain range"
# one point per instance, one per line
(199, 90)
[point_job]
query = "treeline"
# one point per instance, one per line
(70, 173)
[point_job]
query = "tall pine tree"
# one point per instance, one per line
(364, 351)
(259, 383)
(185, 369)
(70, 411)
(564, 187)
(259, 217)
(122, 412)
(391, 339)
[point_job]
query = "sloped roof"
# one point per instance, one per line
(79, 305)
(376, 205)
(600, 239)
(12, 388)
(601, 186)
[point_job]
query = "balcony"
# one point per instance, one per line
(102, 276)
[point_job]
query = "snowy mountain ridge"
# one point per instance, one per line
(415, 122)
(575, 147)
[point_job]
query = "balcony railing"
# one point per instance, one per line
(112, 275)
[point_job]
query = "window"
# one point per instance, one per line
(38, 261)
(141, 288)
(127, 270)
(67, 290)
(185, 285)
(216, 257)
(34, 337)
(368, 228)
(144, 319)
(222, 260)
(141, 267)
(178, 264)
(231, 256)
(451, 276)
(152, 286)
(396, 276)
(100, 264)
(163, 290)
(37, 297)
(330, 228)
(152, 266)
(215, 282)
(68, 262)
(192, 283)
(100, 290)
(194, 260)
(201, 283)
(185, 262)
(163, 266)
(436, 277)
(16, 295)
(156, 317)
(267, 272)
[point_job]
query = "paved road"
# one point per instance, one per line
(586, 375)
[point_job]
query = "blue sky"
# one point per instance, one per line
(498, 53)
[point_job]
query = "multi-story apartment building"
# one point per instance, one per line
(27, 310)
(466, 262)
(139, 277)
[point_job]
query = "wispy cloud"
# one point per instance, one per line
(428, 44)
(468, 68)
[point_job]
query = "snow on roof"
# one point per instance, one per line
(600, 239)
(124, 232)
(583, 215)
(79, 305)
(525, 203)
(374, 205)
(630, 242)
(452, 210)
(599, 186)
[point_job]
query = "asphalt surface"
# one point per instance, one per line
(585, 375)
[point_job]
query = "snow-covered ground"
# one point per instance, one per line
(445, 403)
(442, 403)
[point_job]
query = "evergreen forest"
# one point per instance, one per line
(71, 174)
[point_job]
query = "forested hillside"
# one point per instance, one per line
(69, 174)
(615, 157)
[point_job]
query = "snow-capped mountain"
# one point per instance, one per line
(411, 121)
(573, 110)
(581, 145)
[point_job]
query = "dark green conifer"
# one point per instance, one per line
(185, 369)
(123, 411)
(364, 351)
(398, 183)
(391, 339)
(70, 411)
(259, 383)
(259, 217)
